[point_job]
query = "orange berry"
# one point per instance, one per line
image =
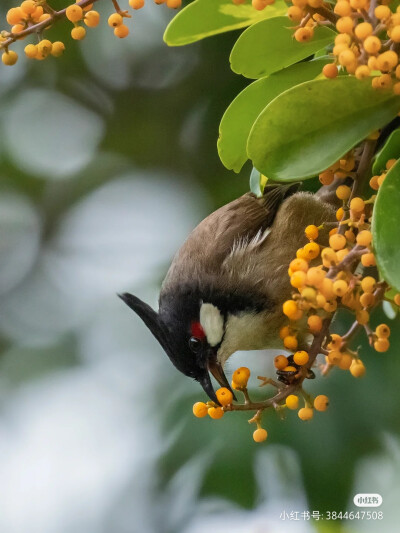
(372, 44)
(259, 5)
(362, 317)
(298, 279)
(303, 35)
(290, 342)
(345, 361)
(314, 323)
(281, 362)
(28, 7)
(334, 357)
(342, 8)
(321, 402)
(390, 163)
(301, 358)
(364, 238)
(174, 4)
(343, 192)
(260, 435)
(382, 331)
(395, 34)
(368, 284)
(44, 47)
(284, 332)
(382, 12)
(15, 15)
(241, 376)
(121, 31)
(368, 260)
(387, 61)
(200, 409)
(58, 49)
(347, 57)
(78, 33)
(291, 310)
(381, 345)
(339, 214)
(315, 276)
(345, 24)
(311, 250)
(363, 30)
(357, 368)
(340, 287)
(92, 19)
(367, 299)
(373, 183)
(136, 4)
(326, 177)
(328, 257)
(357, 205)
(311, 232)
(115, 20)
(306, 413)
(224, 396)
(337, 241)
(396, 299)
(329, 71)
(289, 368)
(74, 13)
(335, 342)
(215, 412)
(298, 264)
(31, 50)
(9, 58)
(292, 401)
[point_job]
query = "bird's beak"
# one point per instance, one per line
(217, 371)
(205, 382)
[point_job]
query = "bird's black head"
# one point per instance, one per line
(190, 334)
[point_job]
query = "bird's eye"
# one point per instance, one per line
(195, 344)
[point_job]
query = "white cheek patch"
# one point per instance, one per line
(212, 322)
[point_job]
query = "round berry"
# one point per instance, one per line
(335, 342)
(362, 72)
(382, 12)
(215, 412)
(301, 358)
(136, 4)
(372, 44)
(74, 13)
(368, 260)
(298, 279)
(31, 50)
(345, 361)
(260, 435)
(357, 368)
(290, 342)
(337, 241)
(289, 368)
(303, 35)
(44, 47)
(78, 33)
(357, 205)
(345, 24)
(281, 362)
(121, 31)
(362, 317)
(329, 257)
(9, 58)
(343, 192)
(381, 345)
(364, 238)
(321, 402)
(292, 401)
(15, 15)
(314, 323)
(224, 396)
(334, 357)
(115, 20)
(291, 310)
(174, 4)
(200, 409)
(340, 287)
(363, 30)
(298, 264)
(241, 376)
(92, 19)
(367, 299)
(368, 284)
(382, 331)
(311, 250)
(329, 71)
(306, 413)
(28, 7)
(311, 232)
(342, 8)
(326, 177)
(284, 332)
(58, 49)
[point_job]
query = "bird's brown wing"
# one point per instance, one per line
(213, 239)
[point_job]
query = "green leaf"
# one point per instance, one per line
(309, 127)
(386, 228)
(239, 117)
(204, 18)
(390, 150)
(269, 46)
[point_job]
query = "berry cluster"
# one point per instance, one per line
(35, 16)
(368, 40)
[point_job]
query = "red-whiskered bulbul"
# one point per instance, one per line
(225, 287)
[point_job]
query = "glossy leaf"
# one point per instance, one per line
(204, 18)
(239, 117)
(390, 150)
(269, 46)
(386, 228)
(309, 127)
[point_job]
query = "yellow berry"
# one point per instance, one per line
(321, 402)
(37, 14)
(390, 163)
(260, 435)
(315, 276)
(357, 368)
(309, 294)
(367, 299)
(78, 33)
(306, 413)
(224, 396)
(215, 412)
(337, 241)
(364, 238)
(342, 8)
(382, 12)
(92, 19)
(335, 342)
(343, 192)
(373, 183)
(15, 15)
(74, 13)
(345, 361)
(235, 385)
(292, 401)
(281, 362)
(284, 332)
(372, 44)
(290, 342)
(31, 50)
(357, 205)
(395, 34)
(298, 264)
(121, 31)
(298, 279)
(368, 284)
(200, 409)
(241, 376)
(44, 47)
(363, 30)
(174, 4)
(28, 7)
(382, 331)
(380, 179)
(330, 71)
(303, 35)
(58, 49)
(326, 177)
(9, 58)
(340, 287)
(301, 358)
(136, 4)
(387, 61)
(328, 257)
(368, 260)
(311, 232)
(115, 20)
(314, 323)
(359, 4)
(345, 24)
(334, 357)
(311, 250)
(289, 368)
(362, 316)
(347, 57)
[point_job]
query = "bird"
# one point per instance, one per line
(225, 287)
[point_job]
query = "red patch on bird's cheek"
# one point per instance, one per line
(197, 330)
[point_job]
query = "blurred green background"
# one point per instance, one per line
(107, 160)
